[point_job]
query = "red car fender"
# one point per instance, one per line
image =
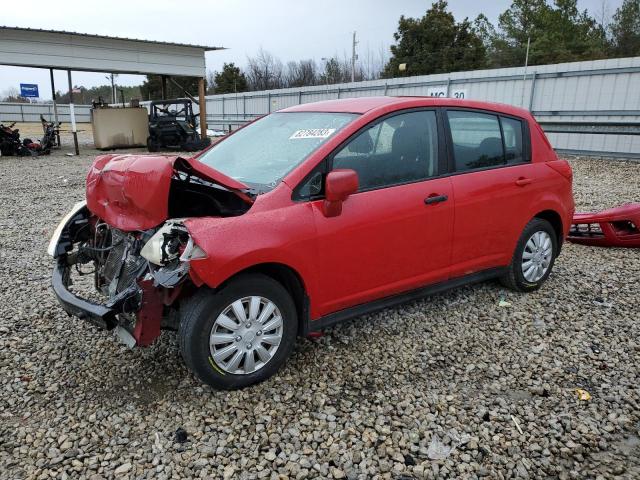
(548, 198)
(549, 201)
(231, 247)
(546, 203)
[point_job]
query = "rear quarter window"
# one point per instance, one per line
(513, 139)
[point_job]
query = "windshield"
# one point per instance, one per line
(264, 152)
(170, 110)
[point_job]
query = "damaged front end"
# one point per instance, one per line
(139, 274)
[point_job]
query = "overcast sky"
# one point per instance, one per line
(289, 29)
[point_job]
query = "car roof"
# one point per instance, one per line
(365, 104)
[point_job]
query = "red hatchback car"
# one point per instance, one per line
(309, 216)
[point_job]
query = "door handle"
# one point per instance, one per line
(521, 182)
(431, 199)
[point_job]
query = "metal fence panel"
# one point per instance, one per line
(30, 112)
(594, 91)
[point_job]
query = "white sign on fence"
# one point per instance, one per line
(441, 92)
(437, 91)
(460, 93)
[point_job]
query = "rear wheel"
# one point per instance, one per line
(152, 144)
(533, 258)
(239, 335)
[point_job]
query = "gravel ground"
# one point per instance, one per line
(383, 396)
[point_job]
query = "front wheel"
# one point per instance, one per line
(239, 335)
(533, 258)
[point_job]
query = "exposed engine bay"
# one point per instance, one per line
(142, 273)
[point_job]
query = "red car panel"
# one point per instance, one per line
(489, 209)
(616, 227)
(384, 241)
(131, 192)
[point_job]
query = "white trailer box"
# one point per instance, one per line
(120, 127)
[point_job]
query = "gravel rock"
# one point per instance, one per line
(122, 469)
(364, 401)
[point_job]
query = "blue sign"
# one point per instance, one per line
(29, 90)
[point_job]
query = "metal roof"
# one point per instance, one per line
(31, 47)
(109, 37)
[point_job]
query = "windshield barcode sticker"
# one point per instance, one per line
(312, 133)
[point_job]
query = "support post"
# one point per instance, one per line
(203, 109)
(524, 75)
(55, 106)
(353, 58)
(72, 114)
(163, 86)
(532, 92)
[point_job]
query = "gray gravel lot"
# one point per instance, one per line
(377, 397)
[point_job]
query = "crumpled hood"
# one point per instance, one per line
(131, 192)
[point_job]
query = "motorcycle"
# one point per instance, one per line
(10, 143)
(51, 136)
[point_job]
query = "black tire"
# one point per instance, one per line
(152, 144)
(195, 145)
(514, 278)
(197, 317)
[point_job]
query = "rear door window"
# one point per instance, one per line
(513, 144)
(476, 139)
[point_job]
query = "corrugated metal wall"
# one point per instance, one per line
(595, 92)
(600, 91)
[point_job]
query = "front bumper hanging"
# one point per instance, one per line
(101, 315)
(137, 301)
(616, 227)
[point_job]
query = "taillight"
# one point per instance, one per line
(562, 167)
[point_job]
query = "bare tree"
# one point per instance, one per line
(12, 94)
(301, 74)
(264, 71)
(603, 15)
(603, 18)
(211, 82)
(373, 63)
(338, 70)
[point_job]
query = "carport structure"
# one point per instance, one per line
(52, 49)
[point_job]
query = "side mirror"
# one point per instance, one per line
(338, 186)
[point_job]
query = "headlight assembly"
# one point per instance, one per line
(169, 252)
(172, 241)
